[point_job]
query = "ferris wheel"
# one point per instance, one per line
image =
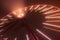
(38, 20)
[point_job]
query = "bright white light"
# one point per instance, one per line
(51, 25)
(27, 37)
(19, 13)
(43, 34)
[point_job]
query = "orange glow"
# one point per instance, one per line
(19, 13)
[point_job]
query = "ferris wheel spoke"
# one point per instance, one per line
(15, 38)
(53, 25)
(52, 28)
(56, 17)
(53, 15)
(27, 37)
(47, 8)
(31, 7)
(44, 35)
(53, 21)
(37, 6)
(51, 12)
(40, 8)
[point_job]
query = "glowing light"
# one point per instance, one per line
(3, 19)
(51, 25)
(52, 29)
(53, 21)
(52, 11)
(15, 38)
(27, 37)
(19, 13)
(56, 17)
(54, 14)
(2, 23)
(43, 34)
(41, 7)
(26, 8)
(45, 9)
(31, 7)
(36, 7)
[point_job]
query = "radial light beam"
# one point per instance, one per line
(43, 34)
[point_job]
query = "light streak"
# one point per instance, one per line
(53, 21)
(52, 11)
(56, 14)
(52, 29)
(36, 7)
(51, 25)
(45, 9)
(31, 7)
(27, 37)
(56, 17)
(15, 38)
(2, 23)
(43, 34)
(41, 7)
(4, 19)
